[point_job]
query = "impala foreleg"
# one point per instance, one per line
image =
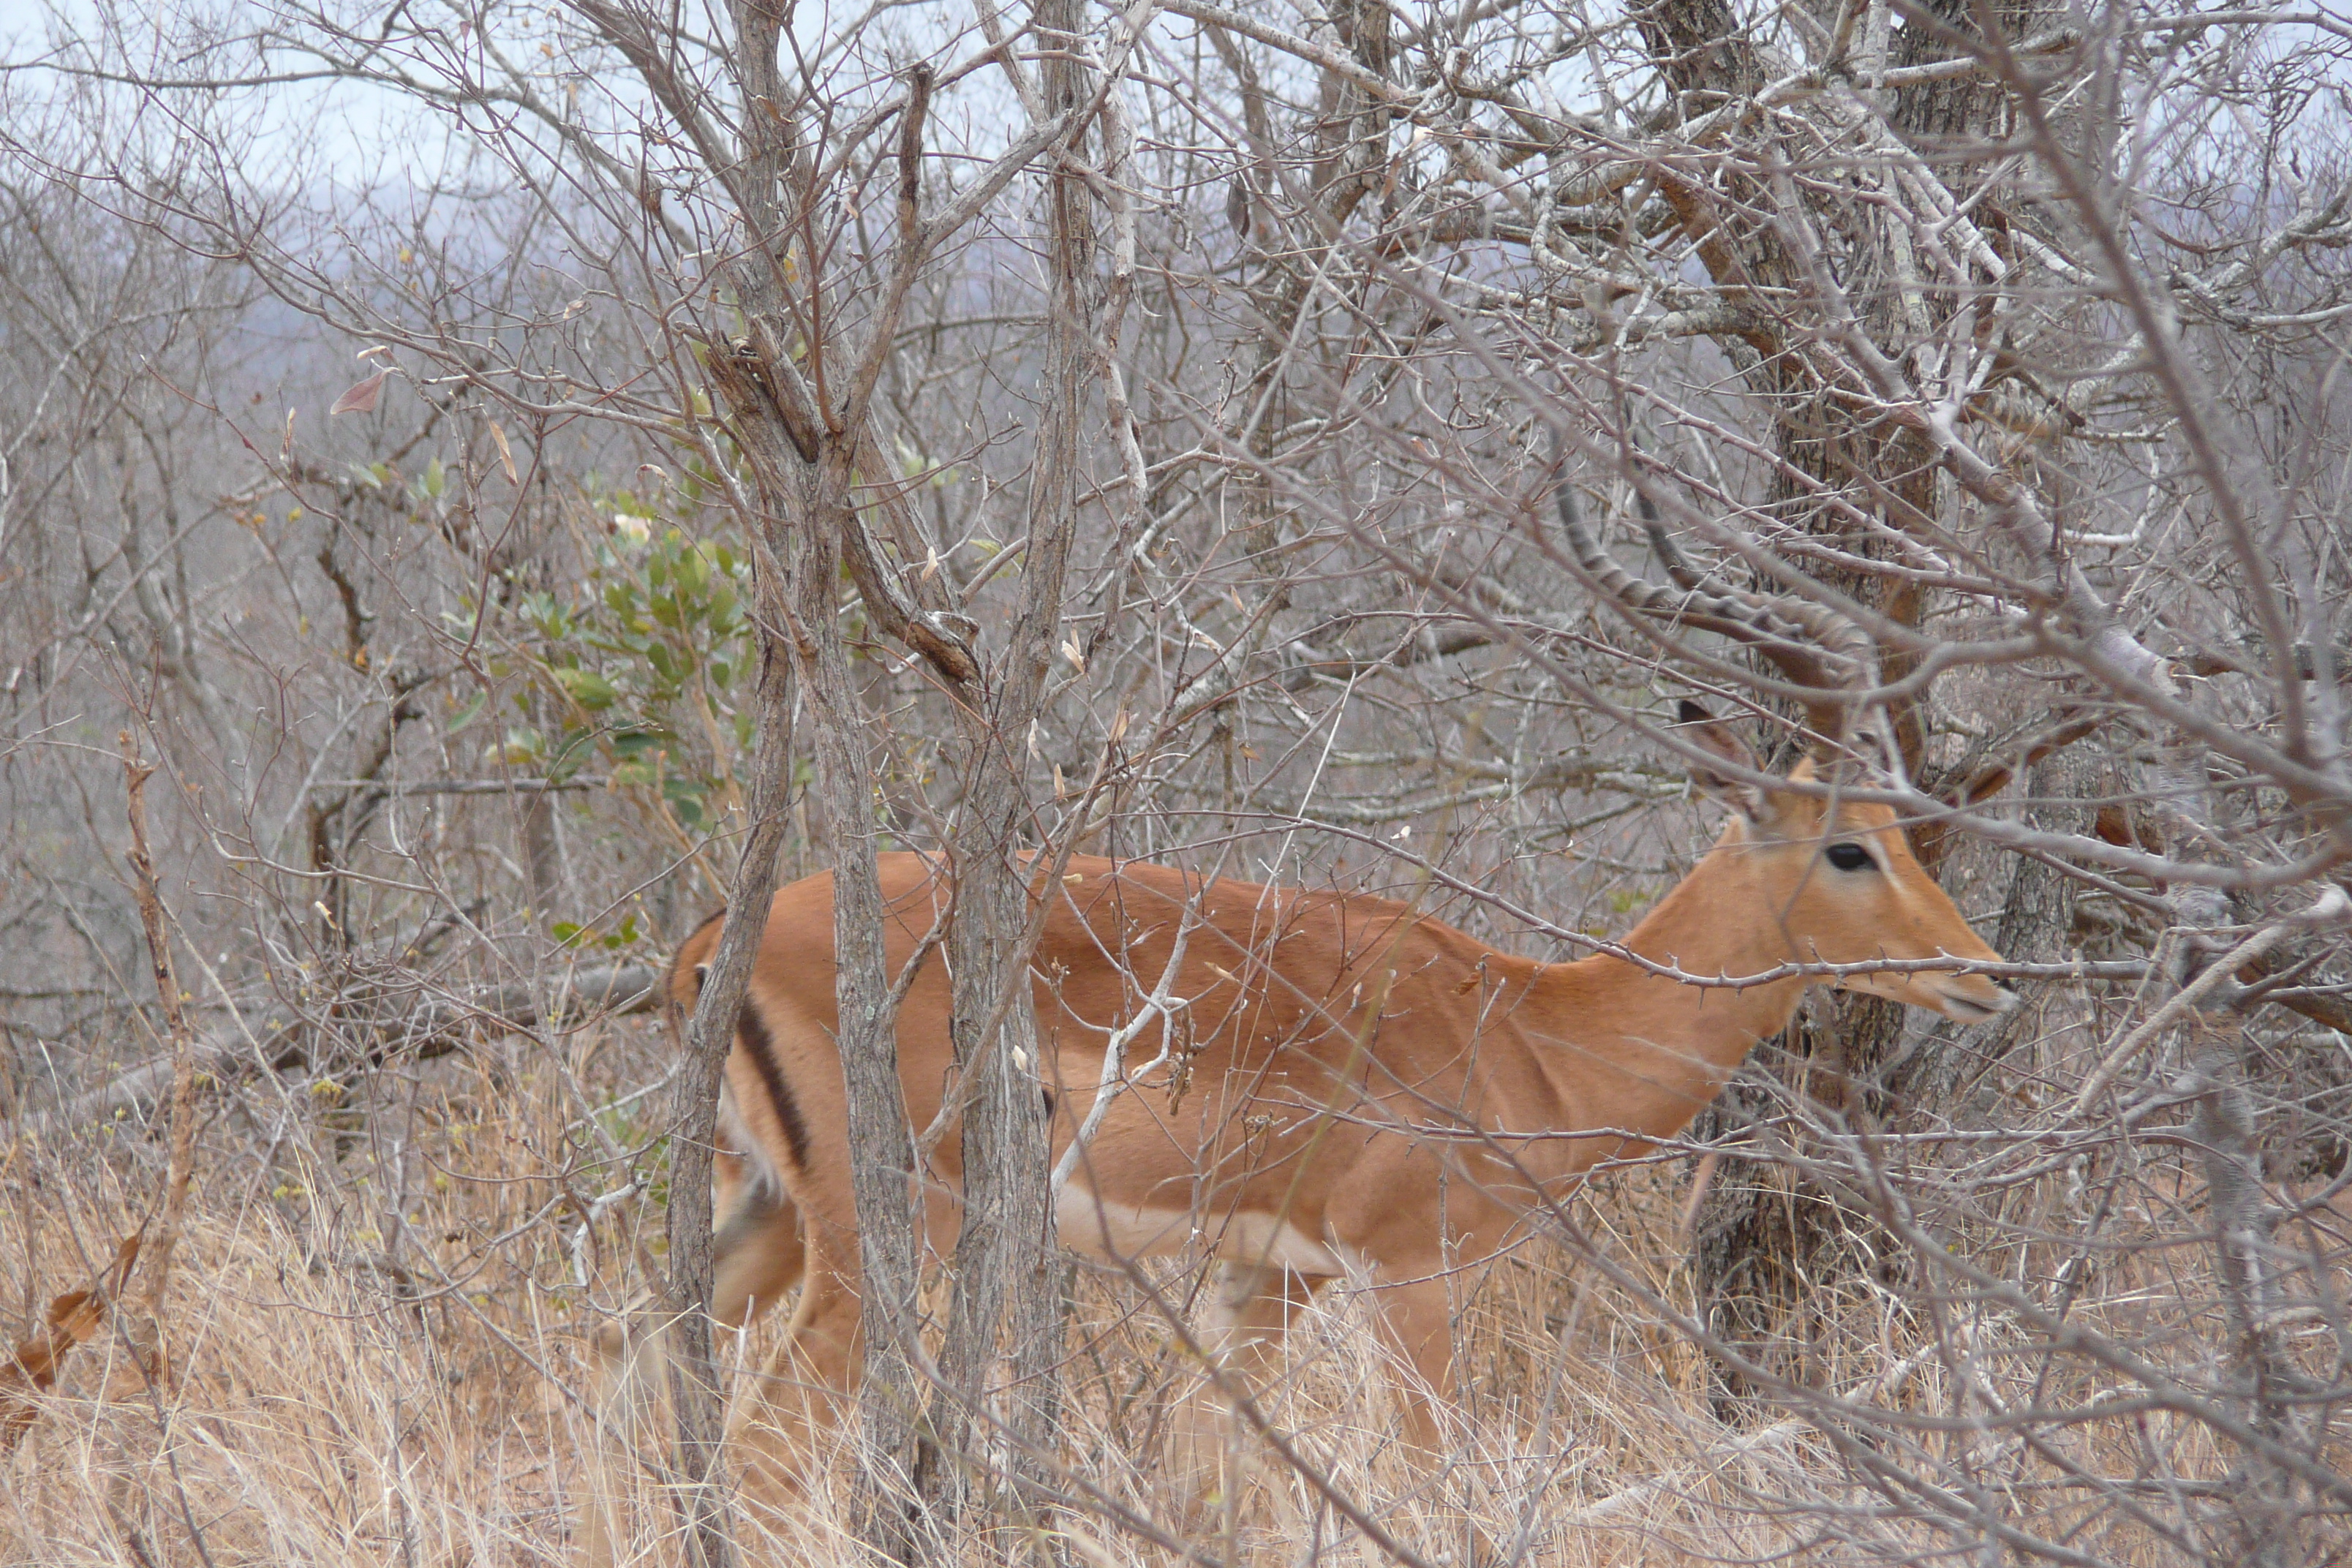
(1416, 1329)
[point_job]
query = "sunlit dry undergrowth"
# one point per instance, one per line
(379, 1335)
(346, 1398)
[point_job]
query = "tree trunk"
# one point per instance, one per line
(2265, 1524)
(882, 1178)
(709, 1035)
(1006, 1303)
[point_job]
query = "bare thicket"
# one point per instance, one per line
(524, 477)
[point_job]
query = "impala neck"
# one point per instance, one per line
(1648, 1052)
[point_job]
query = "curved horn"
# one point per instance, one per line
(1808, 643)
(1662, 545)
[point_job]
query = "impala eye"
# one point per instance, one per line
(1849, 857)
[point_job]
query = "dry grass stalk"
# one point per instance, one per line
(142, 1319)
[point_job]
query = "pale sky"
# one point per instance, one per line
(352, 133)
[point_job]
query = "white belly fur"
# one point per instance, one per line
(1088, 1224)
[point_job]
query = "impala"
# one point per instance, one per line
(1343, 1086)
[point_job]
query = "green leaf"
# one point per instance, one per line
(468, 713)
(685, 797)
(588, 688)
(578, 746)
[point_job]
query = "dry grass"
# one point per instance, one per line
(337, 1402)
(382, 1349)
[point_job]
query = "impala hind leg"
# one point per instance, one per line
(630, 1412)
(1416, 1327)
(780, 1422)
(1251, 1309)
(758, 1257)
(756, 1261)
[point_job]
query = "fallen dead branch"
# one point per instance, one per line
(436, 1027)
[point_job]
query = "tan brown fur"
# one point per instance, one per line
(1365, 1090)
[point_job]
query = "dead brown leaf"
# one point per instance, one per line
(361, 399)
(71, 1319)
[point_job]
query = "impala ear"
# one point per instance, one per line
(1716, 739)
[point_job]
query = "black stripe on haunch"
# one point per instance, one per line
(752, 1034)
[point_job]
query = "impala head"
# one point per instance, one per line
(1839, 880)
(1836, 876)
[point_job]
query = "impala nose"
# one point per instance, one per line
(1973, 998)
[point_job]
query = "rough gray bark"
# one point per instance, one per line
(799, 400)
(889, 1222)
(1007, 1305)
(2262, 1513)
(700, 1494)
(800, 457)
(805, 509)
